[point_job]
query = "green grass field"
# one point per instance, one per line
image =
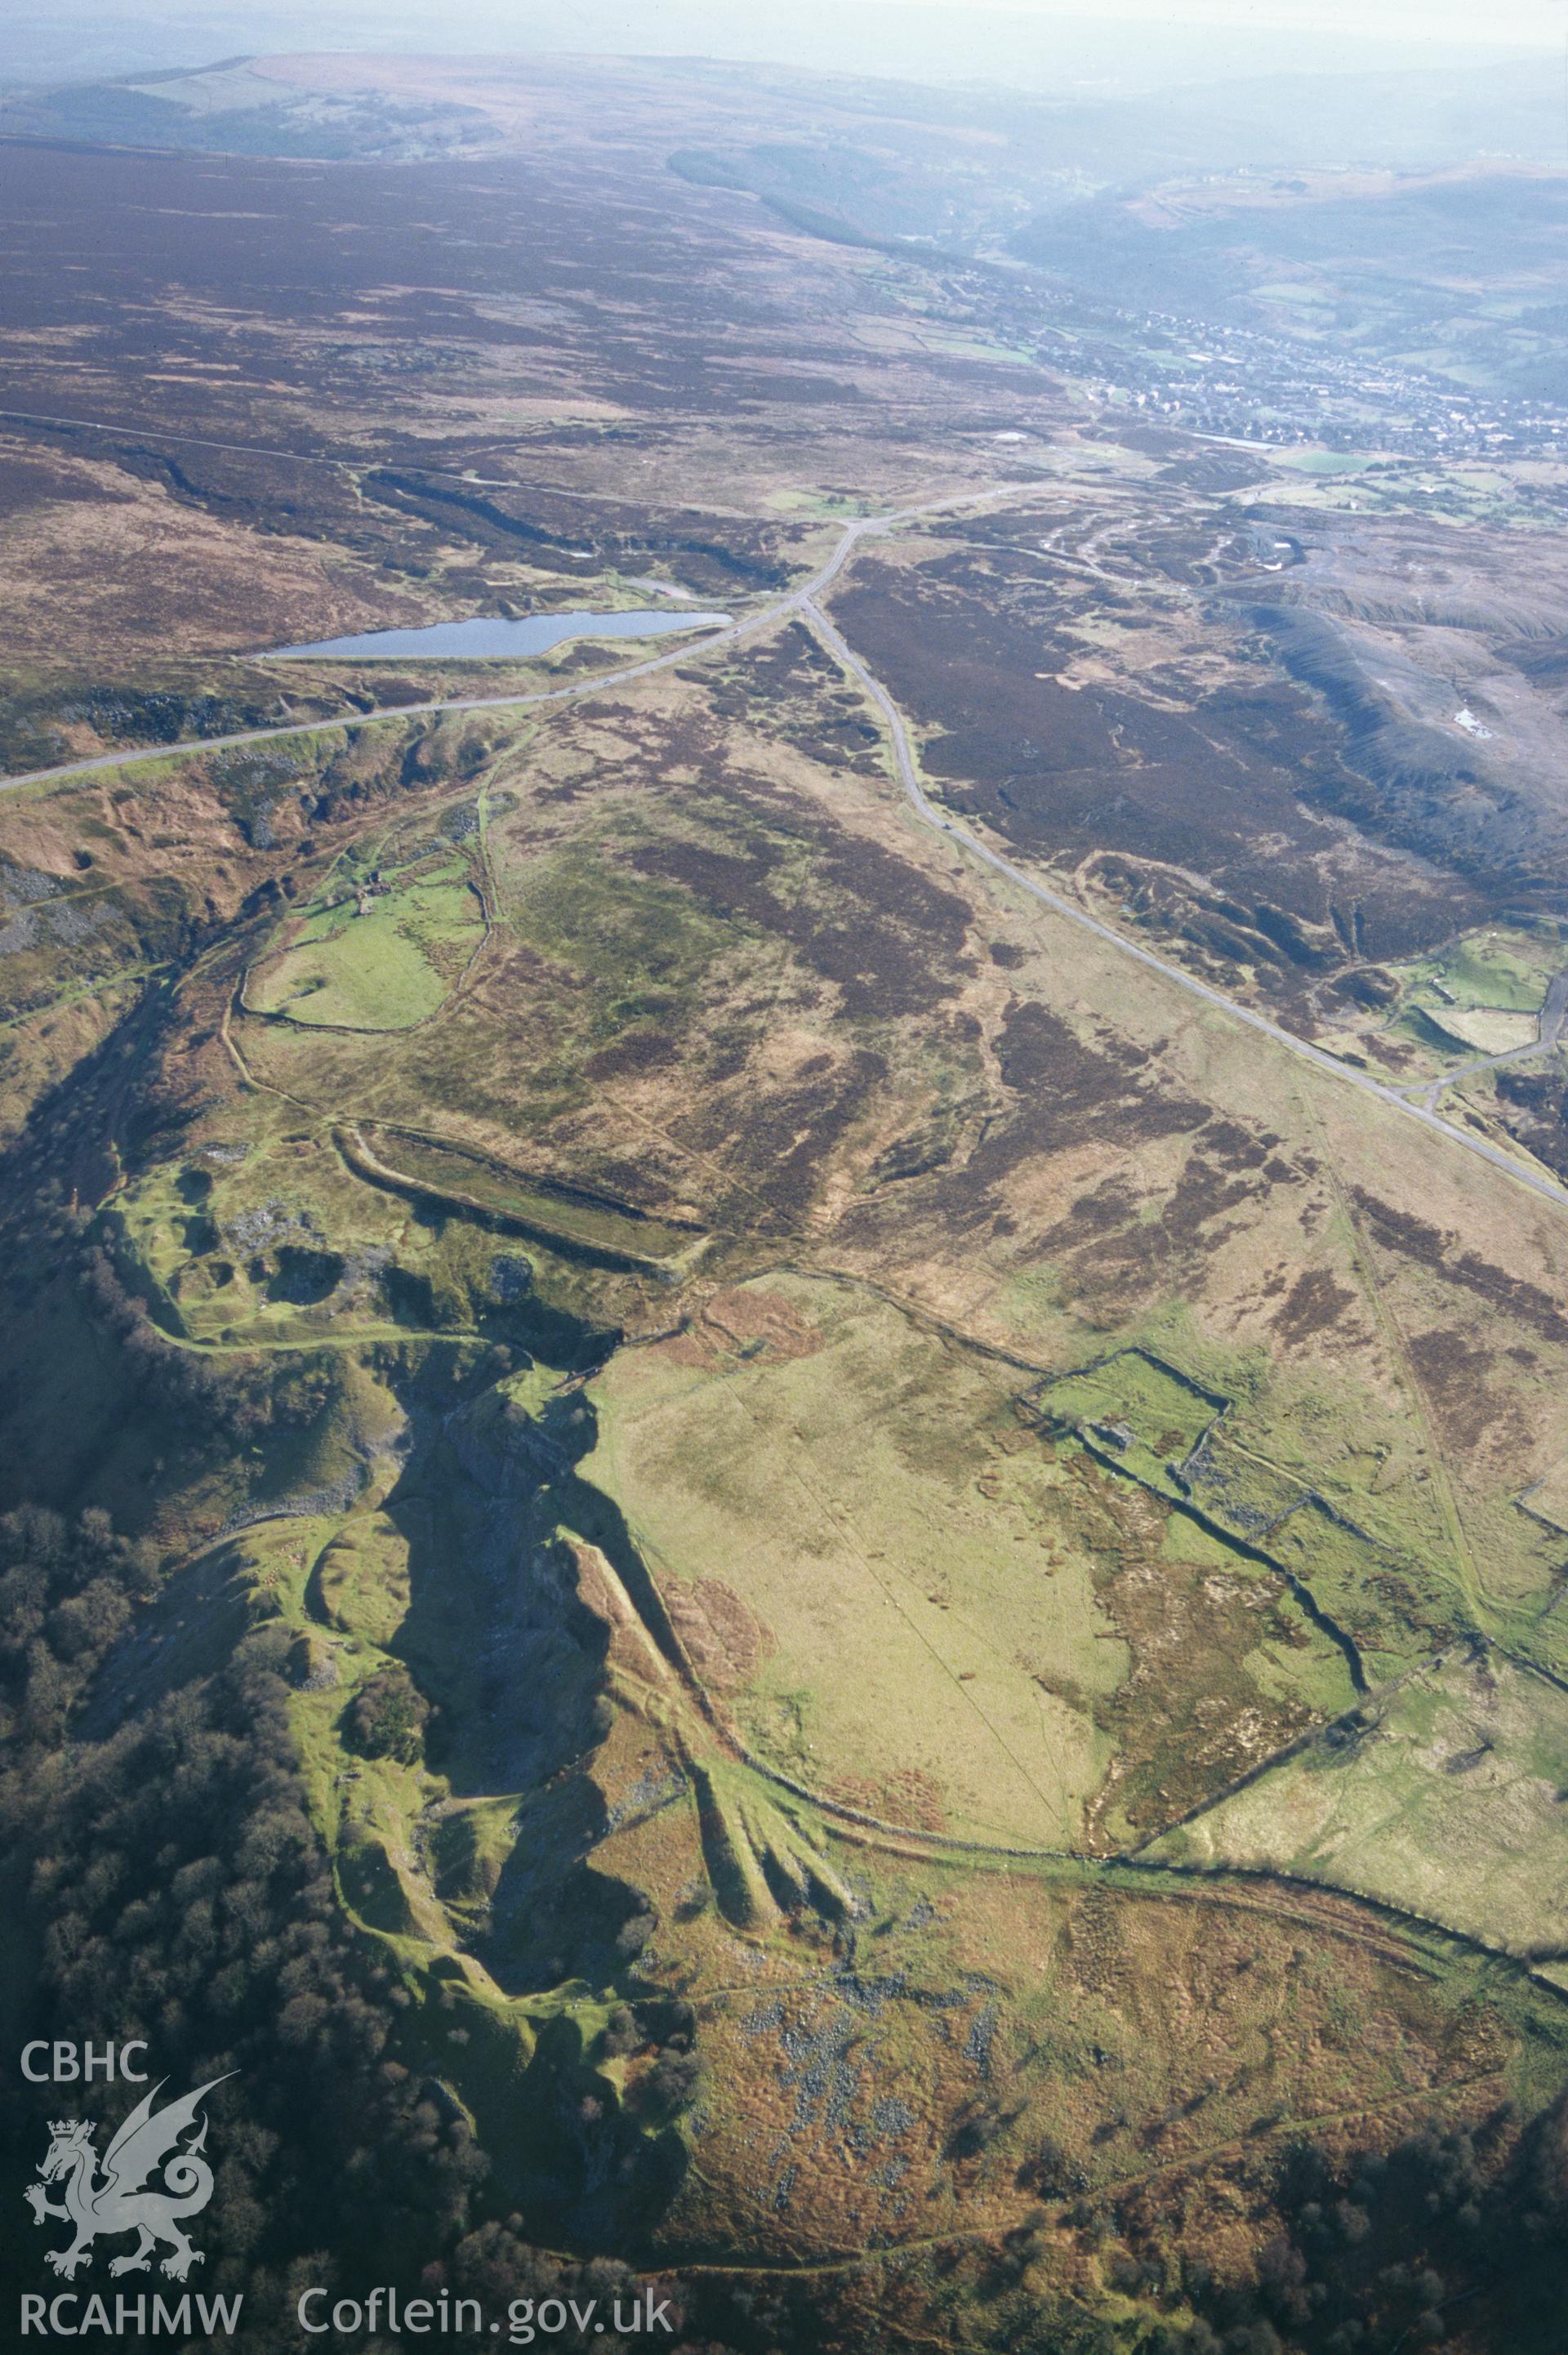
(955, 1622)
(904, 1609)
(1447, 1797)
(382, 964)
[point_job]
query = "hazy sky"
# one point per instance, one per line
(1537, 22)
(1033, 44)
(1534, 22)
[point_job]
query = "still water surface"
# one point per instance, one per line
(492, 639)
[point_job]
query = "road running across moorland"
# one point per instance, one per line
(1537, 1180)
(804, 602)
(793, 601)
(1552, 1023)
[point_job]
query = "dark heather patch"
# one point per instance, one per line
(638, 1050)
(1116, 1267)
(33, 483)
(252, 241)
(1099, 1212)
(1451, 1371)
(1247, 785)
(892, 944)
(1202, 1193)
(792, 687)
(1415, 1239)
(1535, 1107)
(773, 1144)
(1068, 1089)
(1317, 1301)
(1237, 1147)
(1067, 1093)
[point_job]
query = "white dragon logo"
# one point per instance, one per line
(122, 2201)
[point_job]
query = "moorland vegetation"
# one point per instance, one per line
(748, 1566)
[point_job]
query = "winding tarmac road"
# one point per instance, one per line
(795, 601)
(804, 602)
(1554, 1017)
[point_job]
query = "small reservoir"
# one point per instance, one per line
(493, 638)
